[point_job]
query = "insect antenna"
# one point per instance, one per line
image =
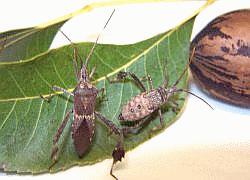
(186, 68)
(73, 44)
(93, 47)
(165, 74)
(76, 55)
(187, 91)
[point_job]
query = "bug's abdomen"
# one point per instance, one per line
(141, 106)
(82, 133)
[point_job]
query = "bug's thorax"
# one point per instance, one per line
(84, 98)
(84, 95)
(166, 93)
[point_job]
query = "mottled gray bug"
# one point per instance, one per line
(144, 104)
(84, 98)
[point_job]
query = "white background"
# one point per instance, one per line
(202, 144)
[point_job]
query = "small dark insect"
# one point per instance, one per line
(83, 126)
(147, 102)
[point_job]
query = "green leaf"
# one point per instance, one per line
(22, 44)
(28, 123)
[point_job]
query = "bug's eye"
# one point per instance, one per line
(139, 106)
(132, 110)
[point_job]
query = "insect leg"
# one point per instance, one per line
(133, 129)
(122, 75)
(137, 127)
(174, 105)
(138, 81)
(108, 123)
(102, 90)
(46, 98)
(150, 82)
(56, 138)
(165, 82)
(161, 118)
(102, 96)
(56, 88)
(92, 72)
(161, 122)
(118, 152)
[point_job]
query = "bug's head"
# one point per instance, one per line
(84, 73)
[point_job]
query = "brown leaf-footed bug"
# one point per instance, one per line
(83, 126)
(147, 102)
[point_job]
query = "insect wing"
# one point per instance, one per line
(82, 134)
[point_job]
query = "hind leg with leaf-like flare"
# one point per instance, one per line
(118, 152)
(56, 138)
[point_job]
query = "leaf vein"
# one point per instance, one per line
(65, 107)
(145, 69)
(178, 40)
(28, 109)
(170, 58)
(56, 103)
(41, 76)
(122, 55)
(159, 61)
(131, 87)
(107, 104)
(34, 130)
(58, 75)
(8, 115)
(17, 121)
(120, 102)
(18, 86)
(106, 64)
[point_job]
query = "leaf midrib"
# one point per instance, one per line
(25, 34)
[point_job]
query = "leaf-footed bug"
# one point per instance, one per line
(147, 102)
(84, 98)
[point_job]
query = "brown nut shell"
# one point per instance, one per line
(221, 63)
